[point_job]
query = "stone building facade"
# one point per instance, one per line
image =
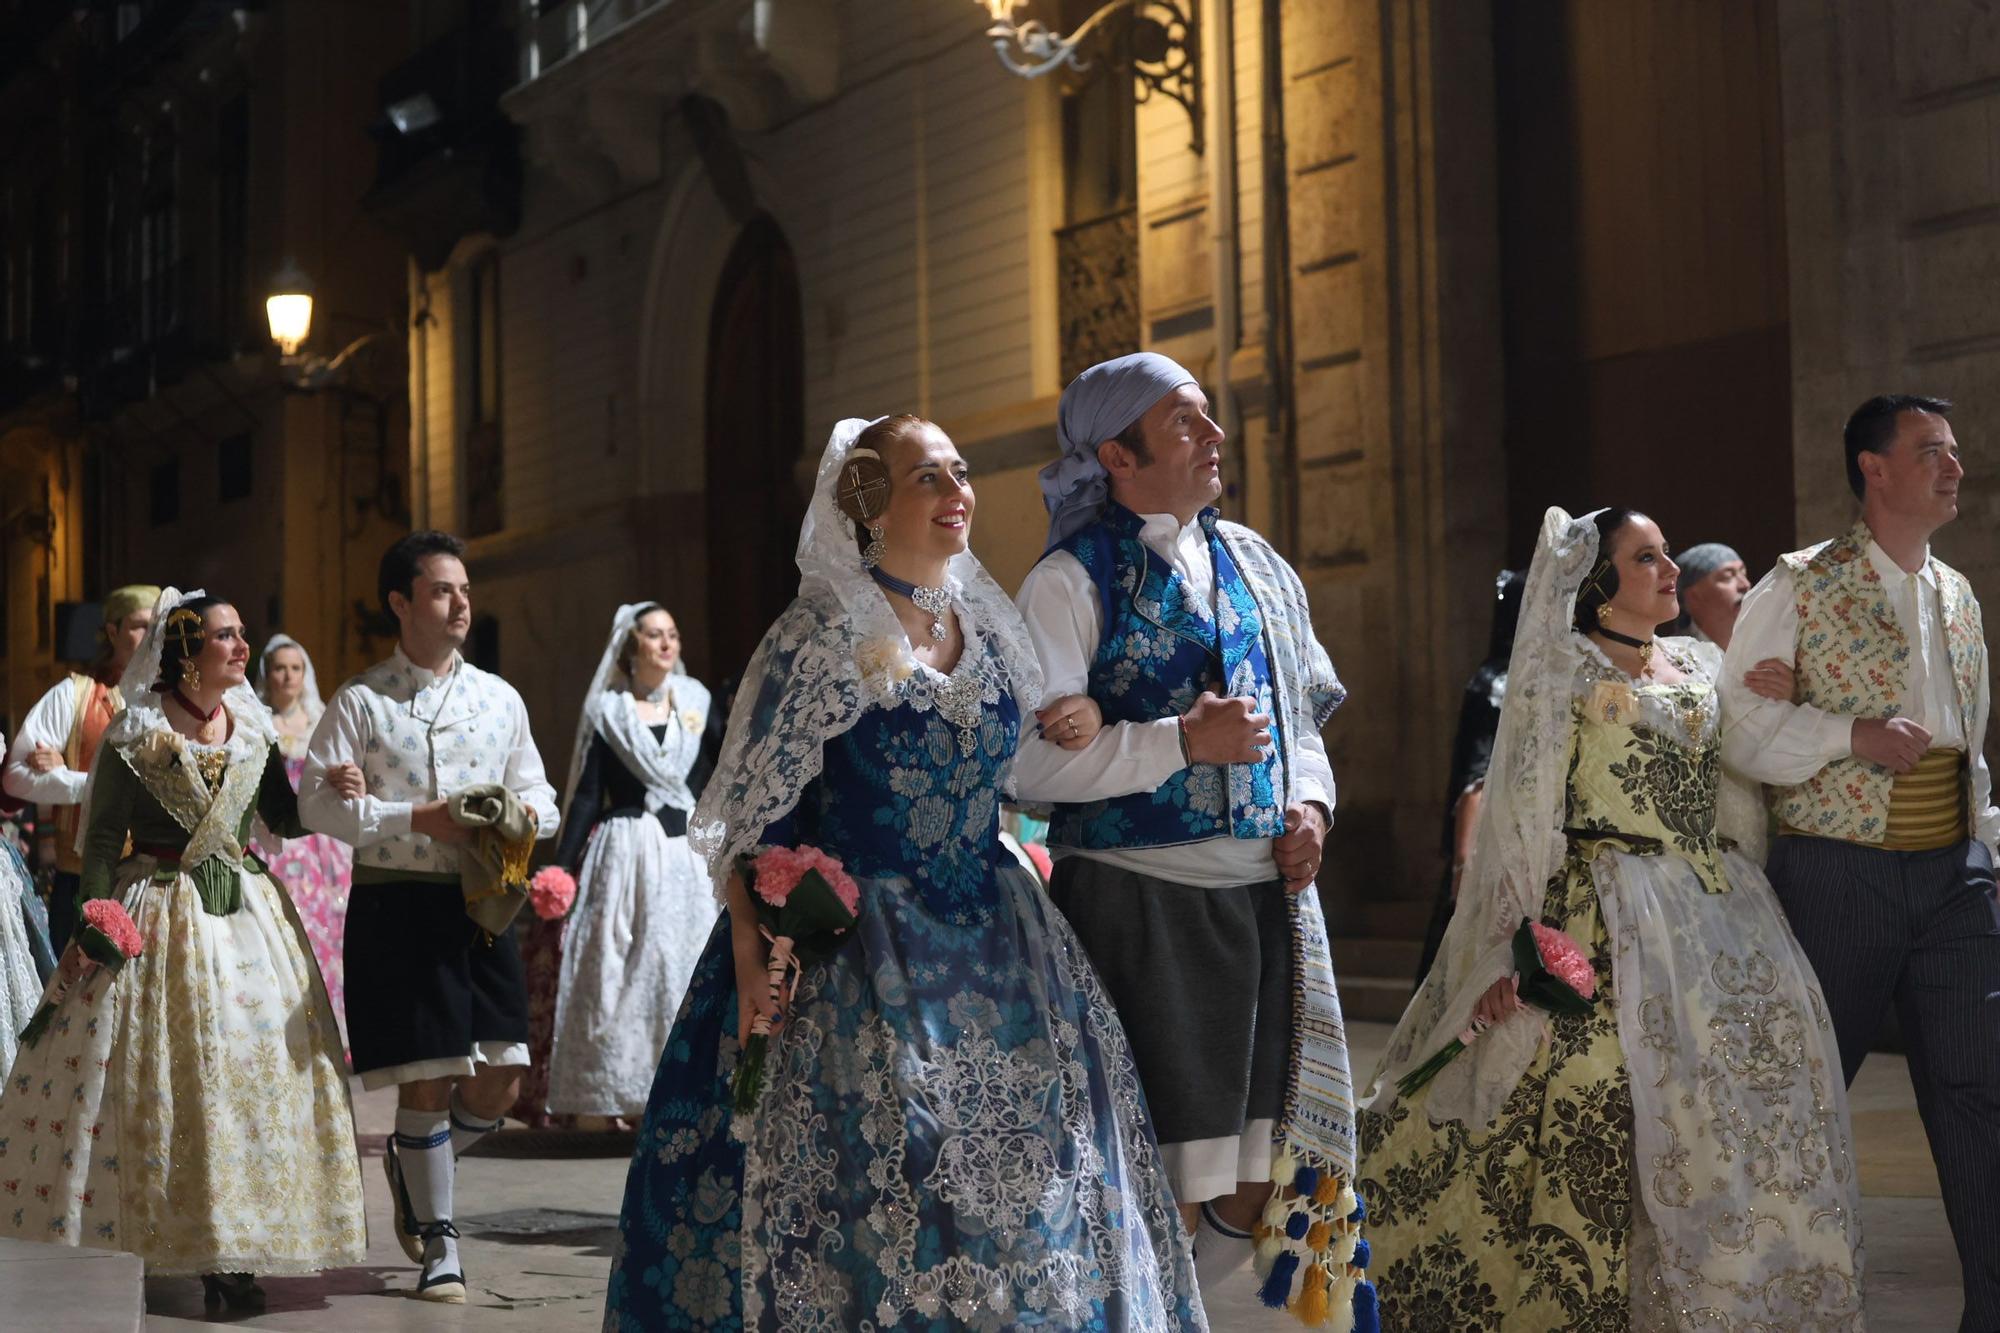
(161, 162)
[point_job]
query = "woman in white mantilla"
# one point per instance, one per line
(316, 870)
(1680, 1157)
(192, 1107)
(951, 1134)
(643, 907)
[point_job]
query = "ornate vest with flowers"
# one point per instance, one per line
(1853, 659)
(1160, 648)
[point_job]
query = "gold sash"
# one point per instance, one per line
(1927, 805)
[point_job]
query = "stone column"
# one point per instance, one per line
(1396, 513)
(1892, 192)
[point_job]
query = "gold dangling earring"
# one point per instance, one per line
(1603, 613)
(877, 548)
(190, 674)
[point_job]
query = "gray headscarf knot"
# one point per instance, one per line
(1097, 406)
(1698, 562)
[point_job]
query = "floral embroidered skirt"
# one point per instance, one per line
(1679, 1158)
(1525, 1223)
(193, 1108)
(644, 911)
(951, 1136)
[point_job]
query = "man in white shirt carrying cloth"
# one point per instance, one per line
(1188, 831)
(435, 1005)
(1884, 860)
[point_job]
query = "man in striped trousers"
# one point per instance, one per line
(1884, 860)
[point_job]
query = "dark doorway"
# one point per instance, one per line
(756, 427)
(1643, 268)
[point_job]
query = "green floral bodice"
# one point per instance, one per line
(159, 791)
(1645, 770)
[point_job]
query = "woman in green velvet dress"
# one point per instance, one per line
(191, 1107)
(1680, 1156)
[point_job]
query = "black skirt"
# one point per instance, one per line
(423, 982)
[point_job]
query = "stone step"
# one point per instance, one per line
(70, 1288)
(1376, 957)
(1365, 999)
(1397, 919)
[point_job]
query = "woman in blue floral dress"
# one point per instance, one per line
(951, 1134)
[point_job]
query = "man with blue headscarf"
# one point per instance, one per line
(1191, 796)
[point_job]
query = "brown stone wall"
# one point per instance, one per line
(1892, 182)
(1644, 263)
(1397, 482)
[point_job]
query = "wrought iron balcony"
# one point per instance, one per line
(1097, 274)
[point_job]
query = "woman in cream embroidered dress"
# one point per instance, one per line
(316, 870)
(1680, 1157)
(192, 1107)
(952, 1134)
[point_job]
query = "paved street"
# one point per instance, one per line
(539, 1233)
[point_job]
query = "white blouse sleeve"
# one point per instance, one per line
(1769, 740)
(1059, 602)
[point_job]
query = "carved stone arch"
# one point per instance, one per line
(698, 247)
(696, 234)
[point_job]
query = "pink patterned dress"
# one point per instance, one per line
(317, 871)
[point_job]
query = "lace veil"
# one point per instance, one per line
(142, 712)
(607, 707)
(1517, 846)
(309, 696)
(837, 650)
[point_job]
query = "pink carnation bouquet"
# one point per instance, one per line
(1555, 976)
(551, 893)
(806, 901)
(108, 937)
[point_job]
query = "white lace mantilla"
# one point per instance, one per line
(838, 650)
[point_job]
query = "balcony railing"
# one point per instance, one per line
(1097, 274)
(554, 30)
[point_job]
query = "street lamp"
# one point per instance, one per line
(1165, 47)
(289, 308)
(367, 375)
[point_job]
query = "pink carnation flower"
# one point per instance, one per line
(109, 918)
(551, 892)
(1565, 960)
(778, 871)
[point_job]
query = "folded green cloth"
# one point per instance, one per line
(493, 867)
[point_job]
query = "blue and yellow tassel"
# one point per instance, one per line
(1310, 1253)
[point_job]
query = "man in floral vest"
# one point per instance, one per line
(436, 1006)
(1188, 830)
(1884, 861)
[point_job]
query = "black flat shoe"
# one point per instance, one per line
(443, 1286)
(238, 1291)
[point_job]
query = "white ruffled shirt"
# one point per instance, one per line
(418, 736)
(1060, 604)
(1769, 740)
(47, 723)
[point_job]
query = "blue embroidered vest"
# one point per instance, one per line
(1159, 649)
